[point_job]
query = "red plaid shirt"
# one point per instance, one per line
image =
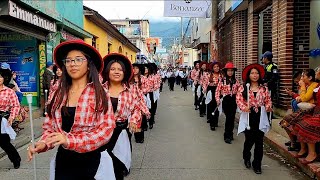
(157, 81)
(224, 89)
(9, 102)
(54, 86)
(261, 99)
(126, 109)
(146, 84)
(91, 129)
(195, 76)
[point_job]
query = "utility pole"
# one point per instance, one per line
(214, 30)
(182, 43)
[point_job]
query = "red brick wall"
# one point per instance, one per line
(301, 34)
(239, 38)
(282, 45)
(267, 29)
(253, 27)
(225, 42)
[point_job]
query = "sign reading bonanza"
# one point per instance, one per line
(187, 8)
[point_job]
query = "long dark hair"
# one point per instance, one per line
(310, 73)
(106, 72)
(101, 103)
(139, 78)
(260, 82)
(229, 79)
(55, 77)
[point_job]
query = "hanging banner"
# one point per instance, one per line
(21, 53)
(186, 8)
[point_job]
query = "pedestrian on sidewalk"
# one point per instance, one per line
(226, 94)
(260, 104)
(203, 76)
(79, 120)
(116, 74)
(210, 85)
(138, 84)
(194, 75)
(56, 81)
(9, 109)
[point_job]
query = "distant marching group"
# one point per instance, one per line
(94, 106)
(217, 91)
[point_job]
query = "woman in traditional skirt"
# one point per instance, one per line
(308, 129)
(307, 85)
(226, 94)
(138, 84)
(203, 75)
(260, 104)
(80, 105)
(116, 75)
(9, 109)
(210, 84)
(194, 75)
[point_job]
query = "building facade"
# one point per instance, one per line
(28, 43)
(137, 31)
(106, 37)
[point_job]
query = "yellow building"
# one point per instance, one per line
(106, 37)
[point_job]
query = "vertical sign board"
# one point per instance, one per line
(42, 64)
(20, 51)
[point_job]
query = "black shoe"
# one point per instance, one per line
(231, 138)
(208, 121)
(247, 163)
(196, 108)
(213, 128)
(16, 165)
(227, 140)
(201, 115)
(151, 126)
(257, 170)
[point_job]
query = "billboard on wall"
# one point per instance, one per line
(21, 52)
(186, 8)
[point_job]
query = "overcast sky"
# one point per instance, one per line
(152, 10)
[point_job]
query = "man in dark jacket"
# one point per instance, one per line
(47, 77)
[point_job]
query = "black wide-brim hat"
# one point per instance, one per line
(7, 75)
(204, 62)
(210, 68)
(150, 68)
(119, 57)
(195, 62)
(253, 66)
(140, 66)
(61, 51)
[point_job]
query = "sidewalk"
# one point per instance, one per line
(24, 136)
(276, 138)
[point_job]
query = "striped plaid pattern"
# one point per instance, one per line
(9, 102)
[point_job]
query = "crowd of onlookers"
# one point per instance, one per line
(303, 124)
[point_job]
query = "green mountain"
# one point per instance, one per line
(168, 30)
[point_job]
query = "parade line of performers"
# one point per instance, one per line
(93, 108)
(217, 90)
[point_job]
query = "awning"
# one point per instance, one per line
(74, 29)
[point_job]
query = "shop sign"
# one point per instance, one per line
(67, 36)
(22, 55)
(186, 8)
(29, 17)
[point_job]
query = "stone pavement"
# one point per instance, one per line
(180, 146)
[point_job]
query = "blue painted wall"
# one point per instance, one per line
(72, 10)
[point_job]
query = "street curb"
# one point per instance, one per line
(276, 142)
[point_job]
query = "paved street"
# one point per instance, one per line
(180, 146)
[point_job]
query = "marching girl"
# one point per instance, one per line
(254, 101)
(203, 75)
(9, 109)
(226, 94)
(210, 84)
(171, 79)
(194, 75)
(156, 86)
(116, 75)
(54, 84)
(149, 75)
(137, 84)
(77, 107)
